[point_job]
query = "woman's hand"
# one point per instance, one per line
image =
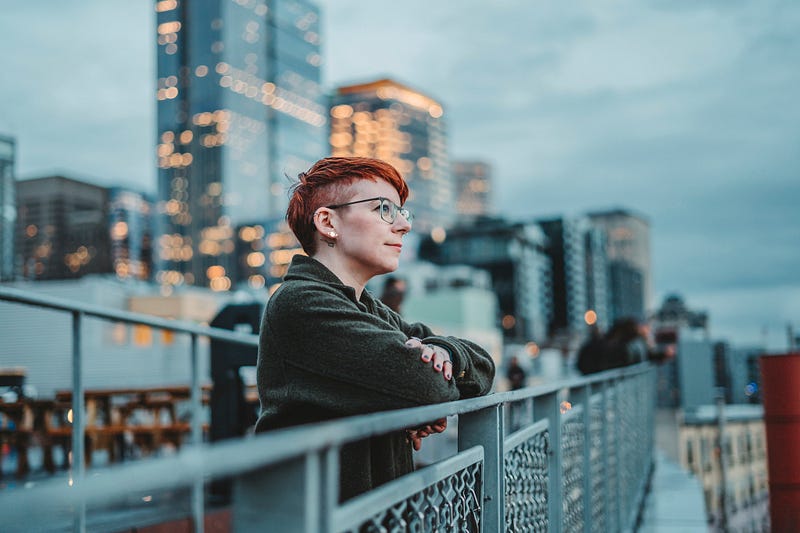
(415, 436)
(438, 356)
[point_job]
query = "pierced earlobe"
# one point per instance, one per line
(332, 234)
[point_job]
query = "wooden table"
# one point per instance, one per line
(143, 417)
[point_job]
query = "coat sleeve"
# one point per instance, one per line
(349, 354)
(473, 367)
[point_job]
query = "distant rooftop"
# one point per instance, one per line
(707, 414)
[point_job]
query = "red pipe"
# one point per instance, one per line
(781, 392)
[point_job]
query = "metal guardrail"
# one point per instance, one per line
(576, 455)
(81, 310)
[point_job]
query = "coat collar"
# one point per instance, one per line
(305, 268)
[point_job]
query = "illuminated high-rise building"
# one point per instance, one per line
(8, 208)
(63, 228)
(240, 107)
(473, 183)
(402, 126)
(70, 228)
(264, 252)
(131, 232)
(628, 252)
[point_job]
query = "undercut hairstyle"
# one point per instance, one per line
(325, 183)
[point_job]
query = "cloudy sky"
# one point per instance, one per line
(684, 110)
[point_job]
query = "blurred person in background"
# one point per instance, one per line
(515, 374)
(394, 291)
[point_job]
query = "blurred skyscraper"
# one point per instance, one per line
(598, 297)
(63, 228)
(629, 261)
(404, 127)
(676, 325)
(240, 107)
(8, 207)
(514, 255)
(265, 251)
(69, 228)
(131, 233)
(473, 184)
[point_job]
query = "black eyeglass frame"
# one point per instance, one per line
(397, 209)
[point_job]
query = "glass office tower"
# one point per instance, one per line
(240, 107)
(131, 233)
(473, 183)
(628, 251)
(8, 208)
(62, 231)
(404, 127)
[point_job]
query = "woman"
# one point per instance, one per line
(329, 349)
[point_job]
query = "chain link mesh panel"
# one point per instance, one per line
(452, 504)
(572, 471)
(598, 474)
(526, 478)
(613, 503)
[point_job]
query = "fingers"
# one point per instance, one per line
(414, 438)
(439, 356)
(442, 362)
(439, 426)
(414, 342)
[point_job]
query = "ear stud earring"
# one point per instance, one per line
(332, 233)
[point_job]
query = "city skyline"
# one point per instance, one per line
(682, 113)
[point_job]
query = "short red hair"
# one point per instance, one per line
(325, 182)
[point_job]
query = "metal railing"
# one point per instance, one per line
(79, 311)
(567, 456)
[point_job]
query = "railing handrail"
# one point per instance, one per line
(233, 457)
(129, 317)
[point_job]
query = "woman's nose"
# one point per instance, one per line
(401, 224)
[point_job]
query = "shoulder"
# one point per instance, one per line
(303, 296)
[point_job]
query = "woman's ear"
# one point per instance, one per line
(323, 221)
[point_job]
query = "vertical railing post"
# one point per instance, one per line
(329, 489)
(78, 421)
(547, 406)
(485, 428)
(283, 497)
(585, 397)
(198, 496)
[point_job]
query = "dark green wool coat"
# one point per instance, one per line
(324, 354)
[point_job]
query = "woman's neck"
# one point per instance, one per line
(338, 266)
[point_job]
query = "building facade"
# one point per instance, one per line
(514, 255)
(672, 324)
(264, 253)
(598, 293)
(729, 456)
(404, 127)
(8, 208)
(628, 252)
(131, 233)
(738, 372)
(62, 229)
(567, 249)
(473, 185)
(240, 108)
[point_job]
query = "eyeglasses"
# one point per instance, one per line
(388, 209)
